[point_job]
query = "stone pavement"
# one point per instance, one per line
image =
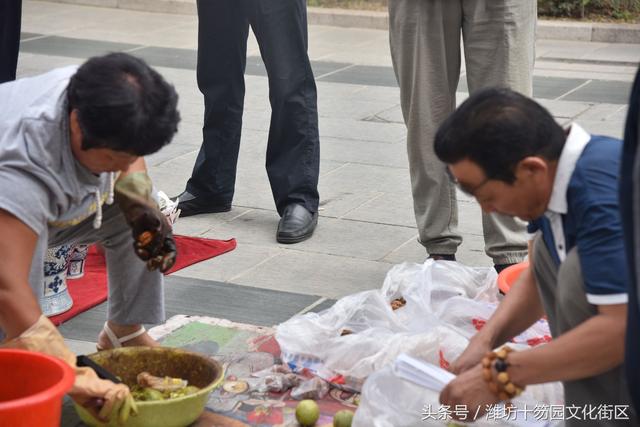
(366, 219)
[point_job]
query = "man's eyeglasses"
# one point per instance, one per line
(469, 191)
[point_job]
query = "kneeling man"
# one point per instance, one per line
(508, 152)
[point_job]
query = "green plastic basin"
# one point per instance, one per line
(127, 362)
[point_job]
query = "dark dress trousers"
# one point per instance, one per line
(10, 16)
(292, 159)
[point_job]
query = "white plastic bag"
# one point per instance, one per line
(446, 304)
(388, 400)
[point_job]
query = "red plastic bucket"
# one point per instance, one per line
(31, 388)
(510, 275)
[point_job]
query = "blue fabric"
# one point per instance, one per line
(629, 153)
(544, 225)
(593, 220)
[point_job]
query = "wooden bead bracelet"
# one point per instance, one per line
(502, 387)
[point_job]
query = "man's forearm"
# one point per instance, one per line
(594, 347)
(519, 309)
(19, 309)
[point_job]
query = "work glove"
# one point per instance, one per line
(153, 240)
(103, 399)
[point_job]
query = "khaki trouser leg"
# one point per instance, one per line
(499, 47)
(425, 49)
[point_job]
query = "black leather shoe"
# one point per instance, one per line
(297, 224)
(442, 257)
(193, 205)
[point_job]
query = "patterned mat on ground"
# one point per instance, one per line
(91, 289)
(243, 349)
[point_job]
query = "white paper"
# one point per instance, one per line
(424, 374)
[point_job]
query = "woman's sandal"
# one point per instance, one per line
(116, 341)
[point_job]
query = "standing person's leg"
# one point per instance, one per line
(425, 49)
(293, 150)
(499, 43)
(136, 295)
(10, 22)
(222, 48)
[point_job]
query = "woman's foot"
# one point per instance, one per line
(114, 335)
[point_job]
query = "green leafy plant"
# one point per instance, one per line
(616, 9)
(626, 10)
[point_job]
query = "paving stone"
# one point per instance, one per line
(364, 74)
(227, 267)
(389, 115)
(362, 130)
(31, 64)
(169, 57)
(471, 252)
(602, 92)
(373, 92)
(254, 226)
(317, 274)
(367, 177)
(326, 304)
(409, 251)
(173, 6)
(258, 227)
(198, 225)
(348, 107)
(172, 175)
(553, 87)
(76, 48)
(367, 240)
(355, 184)
(469, 217)
(390, 208)
(169, 152)
(589, 71)
(242, 304)
(601, 127)
(365, 152)
(24, 36)
(564, 109)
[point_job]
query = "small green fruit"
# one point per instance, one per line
(343, 418)
(151, 395)
(307, 413)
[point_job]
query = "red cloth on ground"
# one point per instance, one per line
(91, 289)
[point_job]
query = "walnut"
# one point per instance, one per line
(398, 303)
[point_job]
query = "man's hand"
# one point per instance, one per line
(471, 391)
(471, 356)
(103, 399)
(153, 237)
(153, 240)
